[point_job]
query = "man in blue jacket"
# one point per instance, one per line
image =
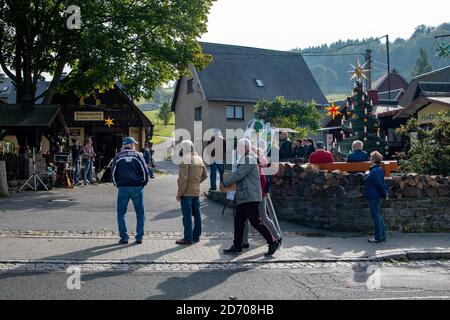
(375, 190)
(130, 176)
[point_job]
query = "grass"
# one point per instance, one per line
(160, 131)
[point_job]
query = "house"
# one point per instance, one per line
(439, 75)
(223, 95)
(398, 84)
(82, 118)
(430, 98)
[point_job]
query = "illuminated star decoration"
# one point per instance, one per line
(333, 110)
(359, 71)
(109, 122)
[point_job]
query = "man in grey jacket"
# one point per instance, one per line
(248, 198)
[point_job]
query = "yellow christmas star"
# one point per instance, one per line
(109, 122)
(333, 110)
(359, 71)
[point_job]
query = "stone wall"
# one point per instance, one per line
(406, 215)
(334, 200)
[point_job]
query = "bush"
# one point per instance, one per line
(429, 150)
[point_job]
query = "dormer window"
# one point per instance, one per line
(259, 83)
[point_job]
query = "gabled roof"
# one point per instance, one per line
(234, 71)
(8, 90)
(395, 95)
(381, 81)
(40, 116)
(439, 75)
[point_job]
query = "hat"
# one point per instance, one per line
(320, 145)
(129, 140)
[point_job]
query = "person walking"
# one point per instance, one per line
(375, 189)
(76, 165)
(265, 187)
(192, 173)
(218, 157)
(358, 154)
(148, 159)
(248, 198)
(130, 175)
(88, 160)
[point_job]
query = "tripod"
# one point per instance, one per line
(272, 213)
(34, 177)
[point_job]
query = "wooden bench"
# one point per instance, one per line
(388, 166)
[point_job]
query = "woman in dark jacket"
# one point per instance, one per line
(375, 190)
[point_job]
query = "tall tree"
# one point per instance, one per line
(164, 113)
(140, 43)
(282, 113)
(423, 64)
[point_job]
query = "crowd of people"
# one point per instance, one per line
(131, 171)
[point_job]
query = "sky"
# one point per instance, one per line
(288, 24)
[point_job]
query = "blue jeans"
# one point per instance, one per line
(375, 210)
(150, 170)
(88, 165)
(213, 174)
(136, 194)
(76, 171)
(190, 206)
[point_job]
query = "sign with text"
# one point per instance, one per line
(88, 116)
(429, 113)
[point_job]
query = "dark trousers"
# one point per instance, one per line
(249, 211)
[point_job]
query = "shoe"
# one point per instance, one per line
(196, 240)
(183, 242)
(272, 248)
(373, 240)
(153, 177)
(232, 250)
(246, 246)
(122, 241)
(138, 241)
(280, 241)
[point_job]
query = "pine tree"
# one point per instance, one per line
(423, 64)
(164, 113)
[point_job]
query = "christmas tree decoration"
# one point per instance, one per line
(109, 122)
(359, 71)
(333, 110)
(362, 123)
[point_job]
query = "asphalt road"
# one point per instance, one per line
(313, 282)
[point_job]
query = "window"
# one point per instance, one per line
(190, 86)
(198, 114)
(235, 112)
(259, 83)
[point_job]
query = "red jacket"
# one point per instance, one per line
(321, 156)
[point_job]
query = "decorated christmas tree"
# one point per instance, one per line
(361, 122)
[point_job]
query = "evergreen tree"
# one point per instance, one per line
(423, 64)
(164, 113)
(362, 124)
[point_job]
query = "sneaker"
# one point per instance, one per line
(123, 241)
(272, 248)
(138, 241)
(246, 246)
(373, 240)
(232, 250)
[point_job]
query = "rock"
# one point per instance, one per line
(354, 194)
(443, 191)
(334, 182)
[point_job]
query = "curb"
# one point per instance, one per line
(391, 257)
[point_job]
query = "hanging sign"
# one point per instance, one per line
(88, 116)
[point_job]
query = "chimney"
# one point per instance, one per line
(373, 95)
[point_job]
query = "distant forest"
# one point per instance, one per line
(331, 71)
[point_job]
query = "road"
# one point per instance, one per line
(313, 281)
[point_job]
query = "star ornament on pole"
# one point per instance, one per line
(333, 110)
(359, 71)
(109, 122)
